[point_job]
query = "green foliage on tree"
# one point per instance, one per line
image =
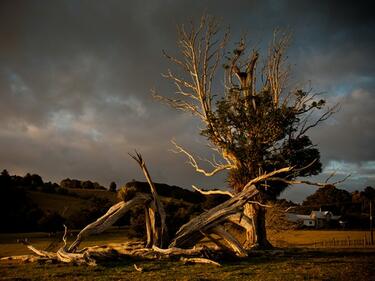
(328, 197)
(263, 139)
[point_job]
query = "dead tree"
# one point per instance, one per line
(254, 124)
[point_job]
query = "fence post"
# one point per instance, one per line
(371, 226)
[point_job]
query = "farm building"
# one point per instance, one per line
(323, 219)
(317, 219)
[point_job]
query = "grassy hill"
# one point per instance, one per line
(77, 199)
(67, 205)
(30, 204)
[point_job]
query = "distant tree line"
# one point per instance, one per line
(68, 183)
(19, 213)
(29, 181)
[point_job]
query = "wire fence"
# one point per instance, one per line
(364, 242)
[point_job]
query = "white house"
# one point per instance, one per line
(305, 219)
(316, 219)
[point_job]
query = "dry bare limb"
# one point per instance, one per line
(191, 232)
(218, 167)
(63, 255)
(259, 204)
(108, 219)
(199, 260)
(267, 176)
(202, 50)
(320, 184)
(330, 176)
(173, 251)
(157, 214)
(245, 222)
(296, 172)
(233, 243)
(327, 114)
(211, 192)
(22, 258)
(276, 73)
(289, 208)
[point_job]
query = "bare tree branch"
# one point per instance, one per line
(210, 192)
(323, 117)
(159, 228)
(191, 160)
(320, 184)
(267, 176)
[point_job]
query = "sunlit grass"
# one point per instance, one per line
(298, 266)
(329, 264)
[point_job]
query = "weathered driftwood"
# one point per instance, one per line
(212, 192)
(108, 219)
(63, 255)
(246, 222)
(234, 244)
(199, 260)
(89, 255)
(190, 233)
(238, 205)
(156, 214)
(155, 226)
(23, 258)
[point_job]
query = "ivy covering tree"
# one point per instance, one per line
(250, 118)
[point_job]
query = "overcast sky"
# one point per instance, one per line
(75, 80)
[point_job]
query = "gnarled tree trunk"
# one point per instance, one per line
(260, 240)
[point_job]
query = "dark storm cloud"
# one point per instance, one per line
(75, 79)
(349, 135)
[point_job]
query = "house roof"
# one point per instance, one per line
(296, 217)
(320, 214)
(313, 215)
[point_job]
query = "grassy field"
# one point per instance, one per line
(308, 237)
(292, 264)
